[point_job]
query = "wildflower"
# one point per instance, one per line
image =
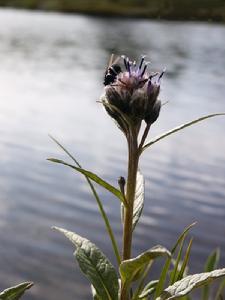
(133, 93)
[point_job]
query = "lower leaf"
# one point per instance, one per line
(95, 266)
(15, 292)
(186, 285)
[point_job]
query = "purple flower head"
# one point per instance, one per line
(134, 91)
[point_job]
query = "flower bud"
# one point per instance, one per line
(153, 90)
(153, 113)
(114, 98)
(122, 183)
(134, 94)
(138, 104)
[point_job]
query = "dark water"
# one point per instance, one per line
(51, 69)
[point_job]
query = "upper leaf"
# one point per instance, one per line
(98, 200)
(95, 266)
(129, 269)
(15, 292)
(93, 177)
(178, 128)
(139, 199)
(187, 284)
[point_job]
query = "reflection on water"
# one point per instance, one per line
(50, 78)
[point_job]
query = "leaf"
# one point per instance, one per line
(139, 199)
(99, 203)
(185, 262)
(15, 292)
(210, 265)
(175, 271)
(148, 289)
(129, 269)
(178, 128)
(95, 266)
(186, 285)
(212, 261)
(183, 234)
(94, 294)
(93, 177)
(220, 290)
(165, 269)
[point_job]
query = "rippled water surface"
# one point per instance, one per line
(50, 79)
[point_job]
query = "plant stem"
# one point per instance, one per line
(130, 196)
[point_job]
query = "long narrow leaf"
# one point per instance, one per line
(220, 290)
(183, 234)
(165, 269)
(178, 128)
(210, 265)
(99, 203)
(95, 265)
(175, 272)
(93, 177)
(185, 262)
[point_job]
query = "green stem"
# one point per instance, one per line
(101, 209)
(130, 196)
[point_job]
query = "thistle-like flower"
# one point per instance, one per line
(132, 94)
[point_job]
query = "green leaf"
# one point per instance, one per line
(148, 289)
(212, 261)
(139, 199)
(93, 177)
(131, 269)
(95, 266)
(210, 265)
(178, 128)
(183, 234)
(175, 271)
(99, 203)
(15, 292)
(166, 267)
(220, 290)
(186, 285)
(185, 262)
(94, 294)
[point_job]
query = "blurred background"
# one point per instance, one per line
(51, 73)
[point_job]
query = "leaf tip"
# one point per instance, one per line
(55, 160)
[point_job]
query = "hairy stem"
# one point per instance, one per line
(130, 196)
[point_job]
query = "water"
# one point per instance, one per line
(50, 79)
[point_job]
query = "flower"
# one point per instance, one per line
(132, 93)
